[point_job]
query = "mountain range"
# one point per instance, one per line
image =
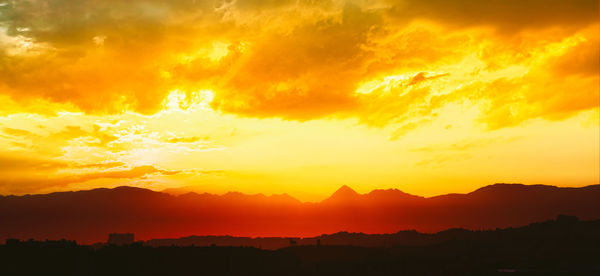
(88, 216)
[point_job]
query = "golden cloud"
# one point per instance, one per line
(21, 185)
(509, 16)
(106, 57)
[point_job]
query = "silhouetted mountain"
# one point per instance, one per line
(87, 216)
(343, 194)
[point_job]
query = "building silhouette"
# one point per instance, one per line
(120, 238)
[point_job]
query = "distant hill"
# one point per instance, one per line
(88, 216)
(560, 226)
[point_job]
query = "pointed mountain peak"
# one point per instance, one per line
(345, 189)
(344, 193)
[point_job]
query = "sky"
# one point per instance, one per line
(298, 96)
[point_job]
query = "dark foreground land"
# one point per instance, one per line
(564, 246)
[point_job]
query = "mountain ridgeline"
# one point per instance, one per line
(87, 216)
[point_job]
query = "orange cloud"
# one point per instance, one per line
(104, 57)
(16, 131)
(508, 16)
(12, 162)
(28, 185)
(107, 165)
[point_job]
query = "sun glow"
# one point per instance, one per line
(178, 100)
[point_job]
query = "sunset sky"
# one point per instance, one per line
(298, 97)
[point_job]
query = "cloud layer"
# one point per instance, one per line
(300, 60)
